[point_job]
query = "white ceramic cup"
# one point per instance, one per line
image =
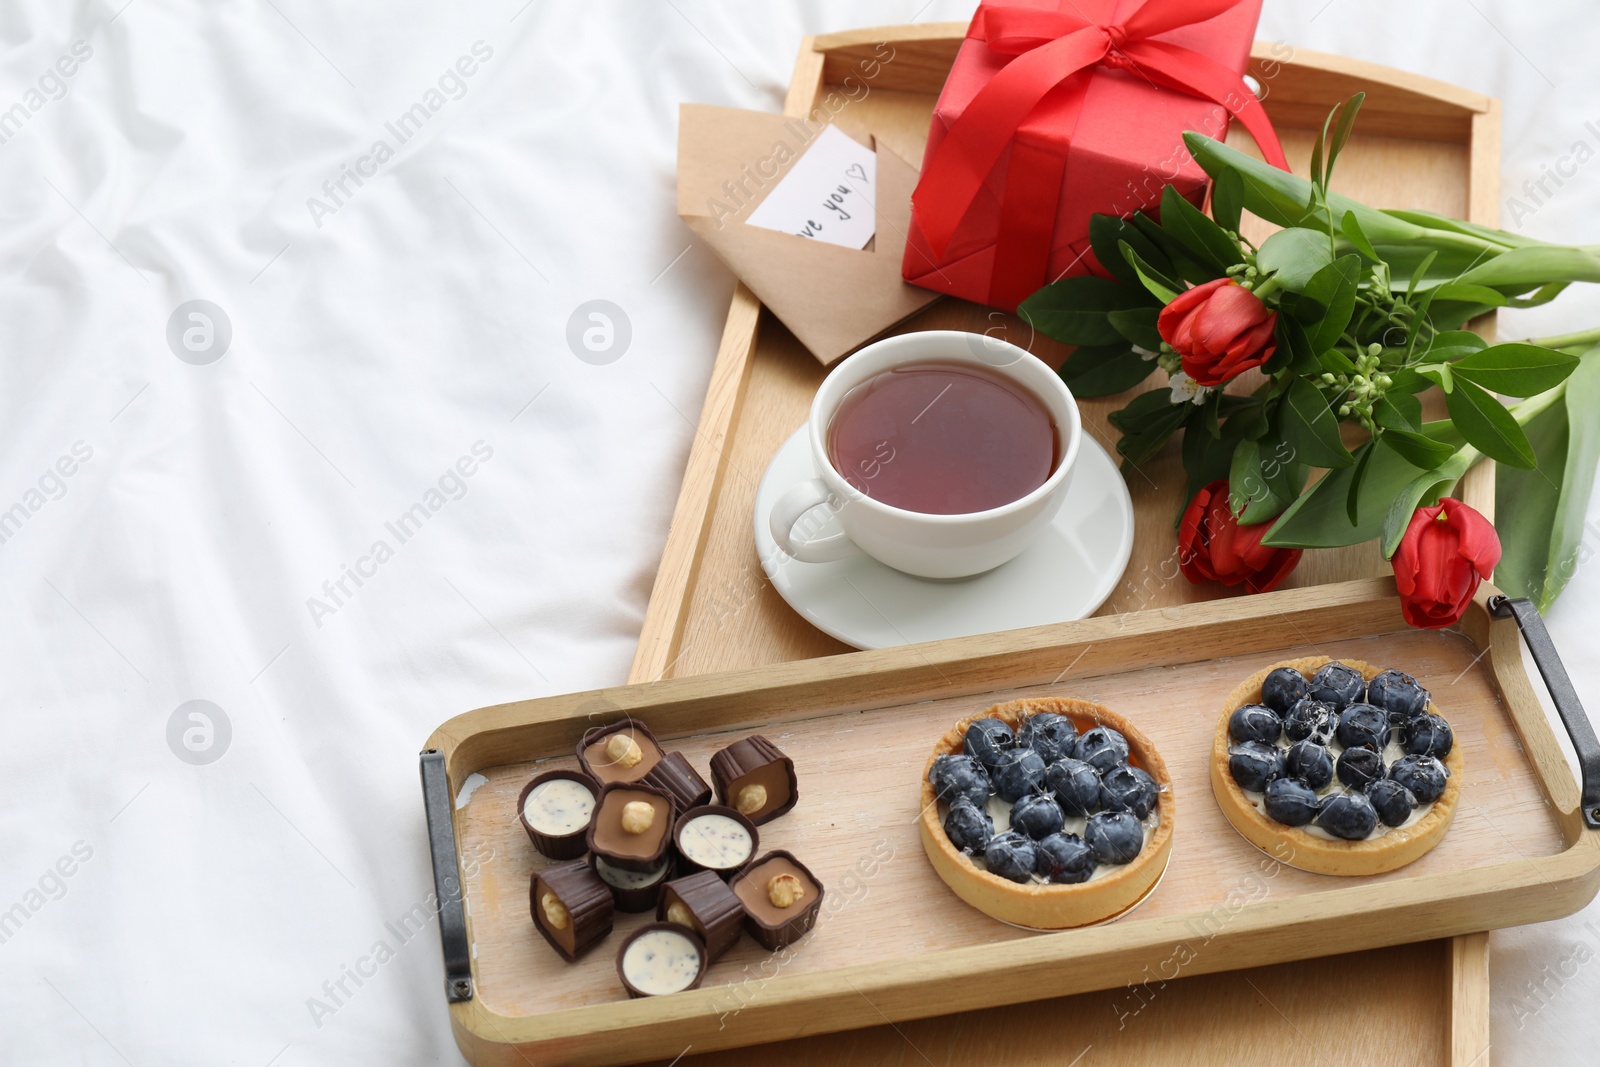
(828, 518)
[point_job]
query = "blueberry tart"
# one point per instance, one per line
(1077, 825)
(1363, 778)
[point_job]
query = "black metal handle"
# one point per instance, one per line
(436, 806)
(1565, 697)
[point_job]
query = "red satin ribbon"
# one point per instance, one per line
(1052, 46)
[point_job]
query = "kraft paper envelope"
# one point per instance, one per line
(833, 299)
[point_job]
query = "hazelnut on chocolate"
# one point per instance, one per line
(622, 752)
(755, 778)
(571, 907)
(781, 899)
(632, 826)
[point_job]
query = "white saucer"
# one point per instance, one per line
(1066, 574)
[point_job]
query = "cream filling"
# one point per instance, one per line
(558, 807)
(660, 961)
(714, 841)
(621, 879)
(1392, 751)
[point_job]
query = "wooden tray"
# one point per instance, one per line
(1420, 144)
(896, 944)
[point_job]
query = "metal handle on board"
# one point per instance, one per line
(1565, 697)
(436, 806)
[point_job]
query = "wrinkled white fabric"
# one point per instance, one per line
(399, 493)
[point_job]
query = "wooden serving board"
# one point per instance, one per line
(894, 944)
(1420, 144)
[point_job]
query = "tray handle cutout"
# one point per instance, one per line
(436, 806)
(1562, 693)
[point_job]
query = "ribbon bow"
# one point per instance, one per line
(1052, 46)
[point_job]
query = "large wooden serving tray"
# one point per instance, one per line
(1421, 144)
(899, 945)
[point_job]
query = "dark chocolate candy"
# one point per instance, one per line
(567, 846)
(622, 952)
(772, 925)
(704, 903)
(604, 769)
(676, 776)
(642, 851)
(750, 764)
(584, 904)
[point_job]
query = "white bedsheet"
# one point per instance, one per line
(398, 399)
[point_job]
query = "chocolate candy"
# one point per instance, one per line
(704, 904)
(554, 809)
(622, 752)
(633, 891)
(632, 826)
(675, 776)
(755, 778)
(661, 958)
(571, 907)
(714, 838)
(781, 899)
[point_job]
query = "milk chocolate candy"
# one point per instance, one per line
(632, 826)
(622, 752)
(676, 776)
(714, 838)
(571, 907)
(661, 958)
(554, 809)
(633, 891)
(703, 903)
(755, 778)
(781, 899)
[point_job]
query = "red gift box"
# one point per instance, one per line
(1056, 110)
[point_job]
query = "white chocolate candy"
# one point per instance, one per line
(660, 961)
(621, 879)
(558, 807)
(715, 841)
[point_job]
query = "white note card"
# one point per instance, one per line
(828, 195)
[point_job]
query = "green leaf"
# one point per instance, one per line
(1073, 310)
(1163, 289)
(1452, 345)
(1104, 370)
(1319, 517)
(1295, 255)
(1516, 369)
(1347, 112)
(1310, 428)
(1185, 267)
(1350, 226)
(1203, 238)
(1423, 491)
(1153, 434)
(1420, 273)
(1250, 493)
(1419, 450)
(1542, 526)
(1398, 411)
(1543, 295)
(1352, 495)
(1139, 326)
(1469, 294)
(1206, 458)
(1334, 287)
(1487, 425)
(1106, 234)
(1294, 347)
(1227, 200)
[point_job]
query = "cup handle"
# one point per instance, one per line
(790, 508)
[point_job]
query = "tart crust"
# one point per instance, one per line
(1292, 844)
(1051, 907)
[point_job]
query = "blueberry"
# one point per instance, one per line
(1075, 784)
(1310, 718)
(1290, 802)
(1102, 748)
(1282, 689)
(1392, 800)
(1128, 789)
(968, 827)
(1423, 775)
(1115, 836)
(1254, 764)
(1065, 859)
(1429, 735)
(1309, 762)
(1011, 855)
(987, 739)
(1337, 684)
(1048, 734)
(1363, 724)
(955, 777)
(1399, 695)
(1037, 815)
(1359, 767)
(1347, 815)
(1255, 722)
(1018, 771)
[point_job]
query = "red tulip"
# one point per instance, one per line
(1446, 551)
(1221, 329)
(1212, 546)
